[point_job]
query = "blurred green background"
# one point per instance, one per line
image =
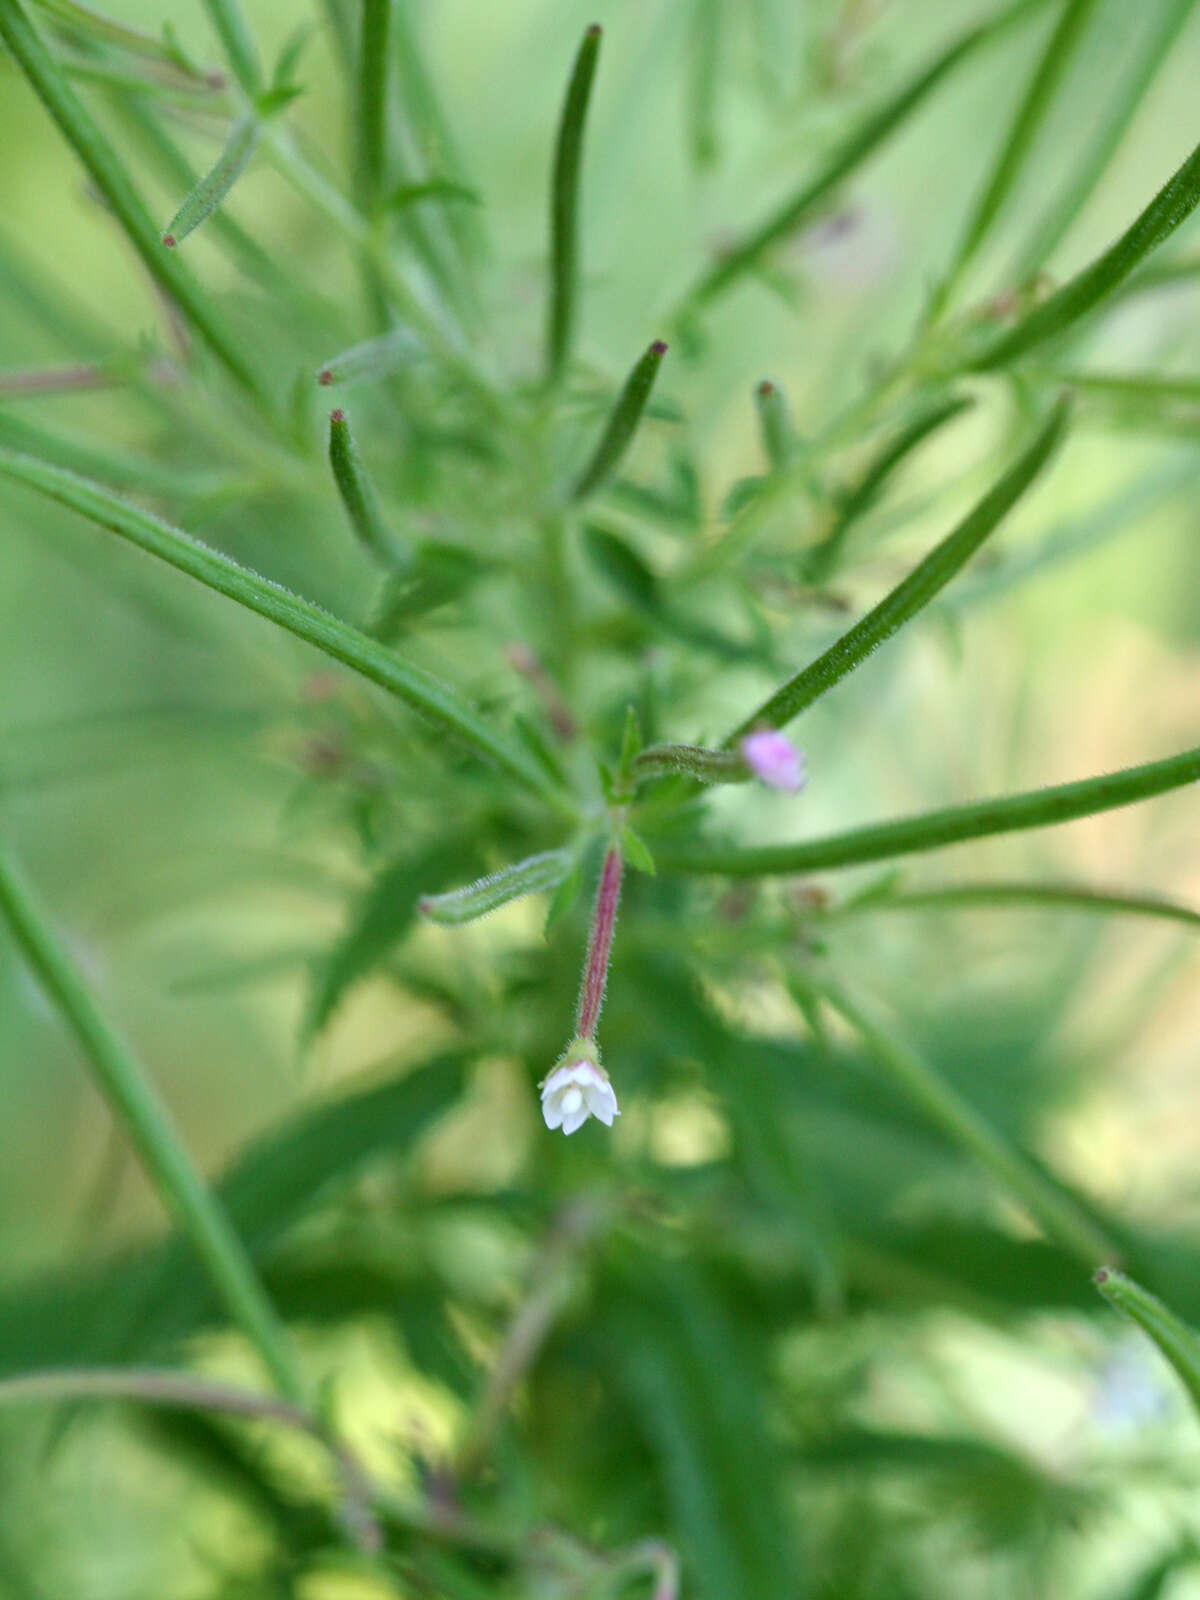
(815, 1352)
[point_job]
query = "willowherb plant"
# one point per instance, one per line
(555, 665)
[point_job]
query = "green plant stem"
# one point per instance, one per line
(1035, 896)
(374, 57)
(564, 207)
(871, 133)
(234, 33)
(110, 177)
(1038, 808)
(135, 1102)
(915, 592)
(1178, 1343)
(435, 701)
(1059, 1216)
(1173, 203)
(1055, 59)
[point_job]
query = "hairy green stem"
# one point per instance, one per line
(1039, 808)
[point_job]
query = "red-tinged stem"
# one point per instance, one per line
(604, 917)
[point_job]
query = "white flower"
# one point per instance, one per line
(576, 1090)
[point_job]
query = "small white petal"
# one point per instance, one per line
(552, 1111)
(558, 1079)
(602, 1102)
(575, 1120)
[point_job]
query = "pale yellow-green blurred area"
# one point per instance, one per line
(1092, 665)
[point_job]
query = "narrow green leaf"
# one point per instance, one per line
(826, 556)
(436, 701)
(636, 851)
(1036, 896)
(1134, 387)
(1051, 68)
(95, 25)
(1038, 808)
(622, 423)
(703, 79)
(1053, 1208)
(216, 183)
(775, 425)
(382, 916)
(531, 876)
(1107, 135)
(564, 207)
(359, 497)
(374, 57)
(1179, 1343)
(620, 563)
(411, 194)
(111, 179)
(1173, 203)
(374, 359)
(564, 896)
(234, 33)
(134, 1101)
(914, 592)
(744, 256)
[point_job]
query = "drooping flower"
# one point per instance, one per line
(577, 1089)
(774, 760)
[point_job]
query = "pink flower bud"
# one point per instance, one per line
(774, 760)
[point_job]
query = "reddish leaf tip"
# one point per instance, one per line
(766, 388)
(1101, 1275)
(325, 377)
(169, 240)
(337, 416)
(593, 31)
(660, 347)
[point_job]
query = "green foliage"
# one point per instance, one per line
(814, 1316)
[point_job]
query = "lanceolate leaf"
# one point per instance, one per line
(216, 184)
(531, 876)
(914, 593)
(378, 922)
(863, 142)
(1060, 47)
(564, 206)
(622, 423)
(434, 700)
(1106, 136)
(1173, 203)
(110, 177)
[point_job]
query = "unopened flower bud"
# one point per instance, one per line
(774, 760)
